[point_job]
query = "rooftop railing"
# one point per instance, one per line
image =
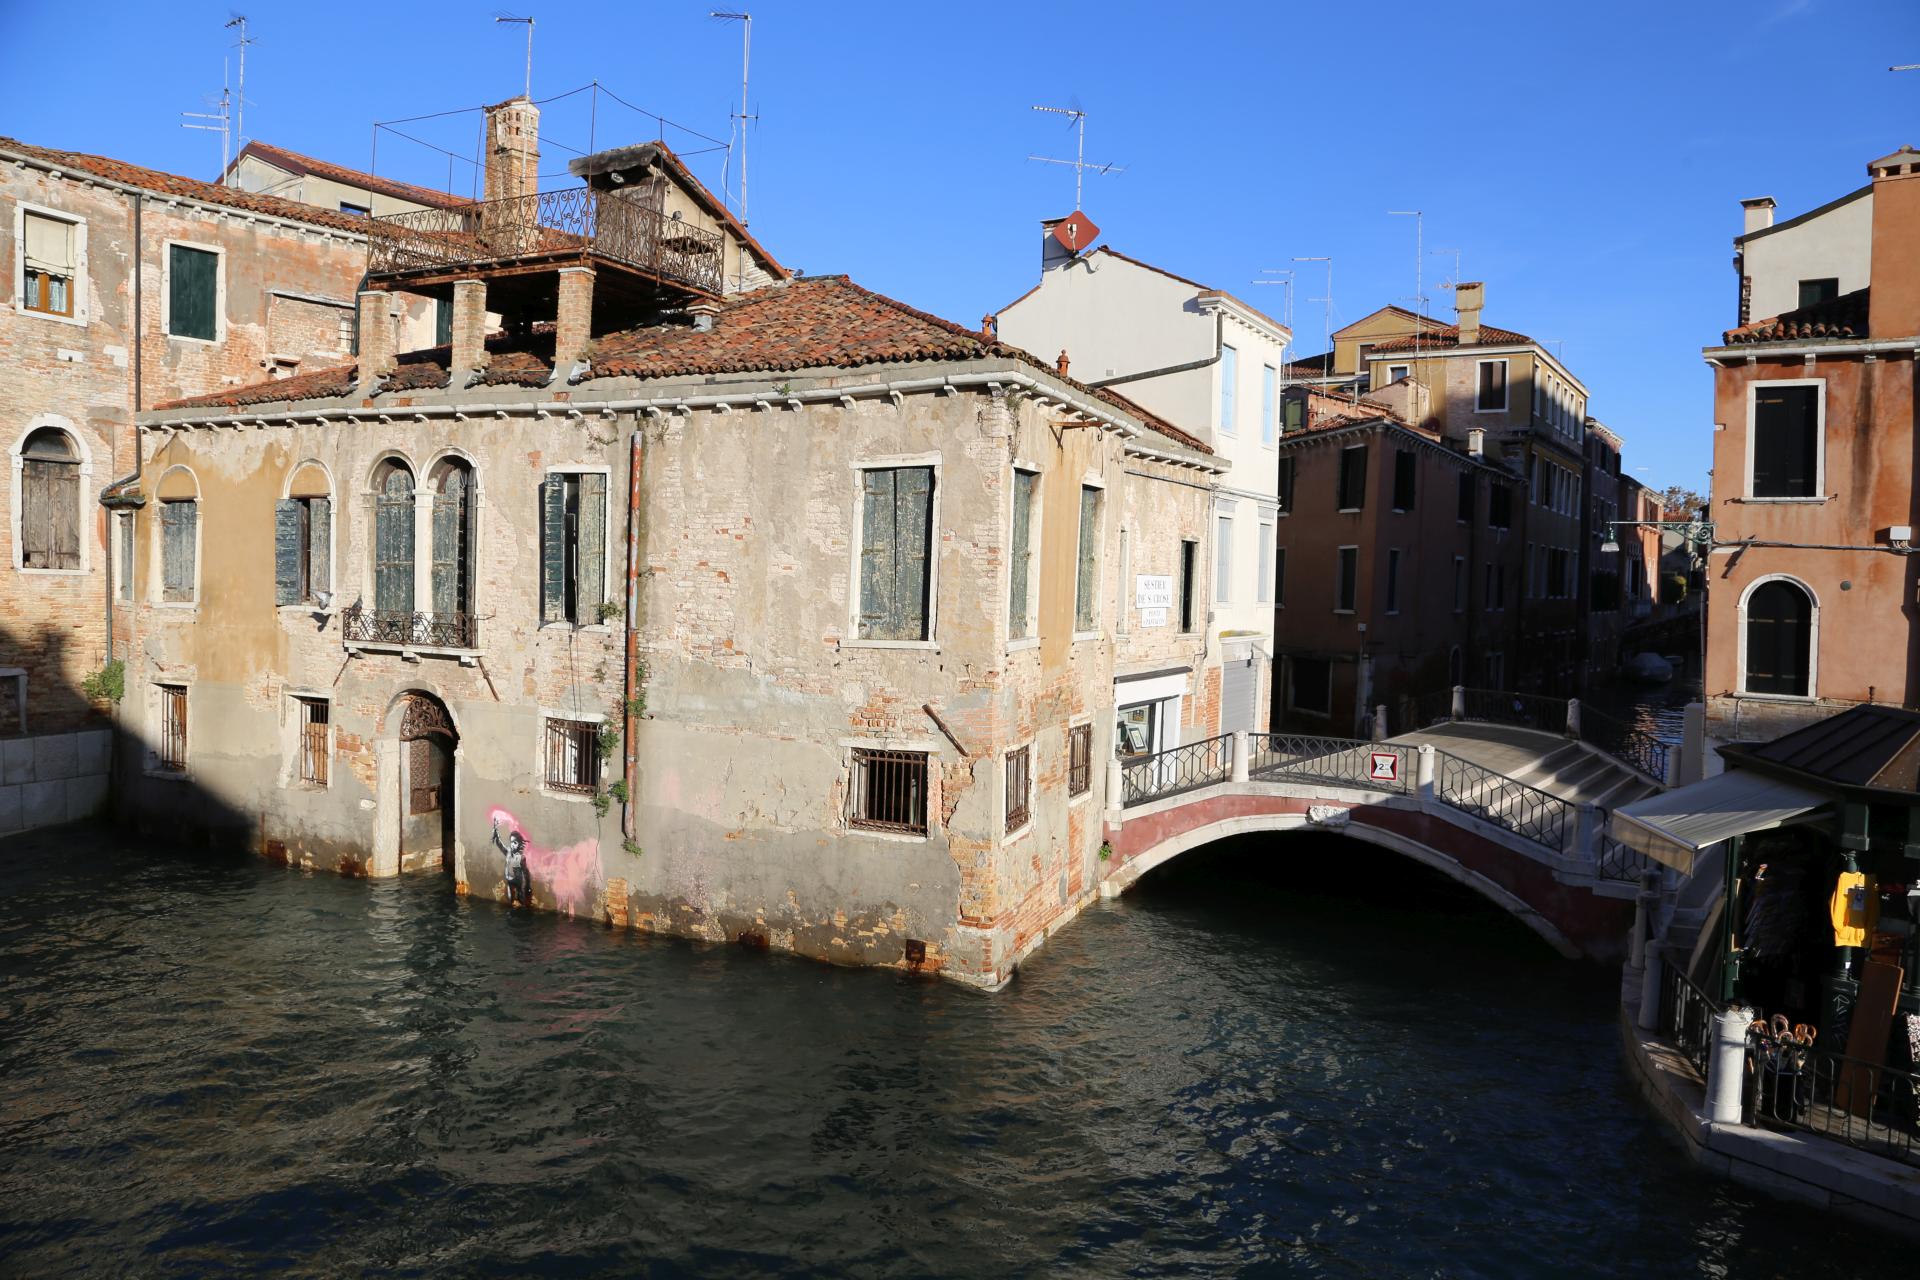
(575, 224)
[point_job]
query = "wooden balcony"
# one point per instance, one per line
(581, 226)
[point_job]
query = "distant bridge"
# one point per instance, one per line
(1516, 813)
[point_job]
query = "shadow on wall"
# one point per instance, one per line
(55, 703)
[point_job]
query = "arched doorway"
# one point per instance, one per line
(426, 783)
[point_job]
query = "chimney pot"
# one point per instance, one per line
(986, 327)
(1060, 365)
(704, 315)
(1756, 214)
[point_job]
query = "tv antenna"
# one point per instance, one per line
(505, 17)
(1419, 263)
(1453, 280)
(1326, 305)
(741, 117)
(1286, 312)
(1079, 163)
(240, 93)
(220, 122)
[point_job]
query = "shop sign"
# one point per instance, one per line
(1153, 591)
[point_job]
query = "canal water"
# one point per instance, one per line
(1288, 1056)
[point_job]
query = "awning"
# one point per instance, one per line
(1674, 826)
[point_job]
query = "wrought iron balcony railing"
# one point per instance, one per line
(360, 625)
(571, 225)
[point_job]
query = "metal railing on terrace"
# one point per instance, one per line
(361, 625)
(562, 226)
(1863, 1104)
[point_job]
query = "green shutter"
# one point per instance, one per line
(192, 288)
(1084, 594)
(913, 522)
(876, 553)
(1022, 554)
(319, 544)
(393, 548)
(448, 524)
(178, 520)
(553, 551)
(286, 551)
(590, 565)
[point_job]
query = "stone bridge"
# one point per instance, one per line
(1532, 840)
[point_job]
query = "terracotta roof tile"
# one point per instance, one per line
(294, 162)
(1841, 317)
(321, 384)
(173, 184)
(1449, 336)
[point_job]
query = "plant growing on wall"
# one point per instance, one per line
(609, 610)
(109, 683)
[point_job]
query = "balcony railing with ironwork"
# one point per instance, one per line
(360, 625)
(571, 225)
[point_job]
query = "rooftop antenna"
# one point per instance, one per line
(1419, 264)
(1327, 306)
(222, 127)
(1454, 279)
(1286, 311)
(1910, 66)
(240, 94)
(505, 17)
(1079, 163)
(746, 52)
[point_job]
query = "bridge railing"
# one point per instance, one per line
(1342, 762)
(1614, 861)
(1183, 768)
(1635, 746)
(1528, 812)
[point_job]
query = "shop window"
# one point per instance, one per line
(889, 791)
(49, 501)
(1780, 639)
(573, 547)
(1019, 780)
(896, 537)
(1079, 759)
(1786, 440)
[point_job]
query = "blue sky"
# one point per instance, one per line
(1587, 160)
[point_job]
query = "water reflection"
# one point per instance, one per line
(1297, 1055)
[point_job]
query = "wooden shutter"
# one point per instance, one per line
(1785, 441)
(449, 522)
(36, 515)
(590, 561)
(178, 521)
(393, 550)
(877, 586)
(1022, 554)
(319, 544)
(553, 551)
(287, 551)
(913, 523)
(1083, 589)
(192, 285)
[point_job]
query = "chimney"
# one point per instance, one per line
(1060, 366)
(1477, 442)
(378, 336)
(1756, 214)
(1893, 308)
(1467, 297)
(704, 314)
(572, 321)
(469, 330)
(513, 149)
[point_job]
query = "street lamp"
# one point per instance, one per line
(1696, 533)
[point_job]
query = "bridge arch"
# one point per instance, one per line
(1128, 874)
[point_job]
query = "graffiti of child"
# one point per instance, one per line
(519, 883)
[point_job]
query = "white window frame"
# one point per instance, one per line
(1355, 548)
(1813, 641)
(423, 546)
(1025, 828)
(921, 746)
(1034, 525)
(1395, 372)
(157, 559)
(1228, 408)
(219, 292)
(1506, 385)
(81, 310)
(295, 740)
(18, 460)
(1223, 557)
(595, 718)
(857, 522)
(1819, 493)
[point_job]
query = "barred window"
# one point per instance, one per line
(171, 754)
(890, 791)
(573, 756)
(314, 727)
(1079, 759)
(1019, 786)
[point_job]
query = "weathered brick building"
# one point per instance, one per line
(757, 608)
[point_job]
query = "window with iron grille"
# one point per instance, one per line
(1079, 759)
(573, 756)
(315, 715)
(889, 791)
(1019, 787)
(170, 753)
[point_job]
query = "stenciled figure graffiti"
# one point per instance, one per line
(519, 883)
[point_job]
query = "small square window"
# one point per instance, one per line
(889, 791)
(1019, 788)
(573, 756)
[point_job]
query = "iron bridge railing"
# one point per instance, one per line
(1526, 811)
(1292, 757)
(360, 625)
(571, 224)
(1635, 745)
(1177, 769)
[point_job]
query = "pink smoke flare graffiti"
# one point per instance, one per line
(570, 874)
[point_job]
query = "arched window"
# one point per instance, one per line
(49, 501)
(303, 539)
(1780, 639)
(393, 539)
(179, 497)
(453, 516)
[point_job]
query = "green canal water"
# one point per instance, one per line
(1292, 1056)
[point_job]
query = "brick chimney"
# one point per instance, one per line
(1467, 297)
(513, 149)
(1893, 308)
(1756, 214)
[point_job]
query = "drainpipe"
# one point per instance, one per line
(628, 811)
(139, 401)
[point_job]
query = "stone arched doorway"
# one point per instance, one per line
(418, 804)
